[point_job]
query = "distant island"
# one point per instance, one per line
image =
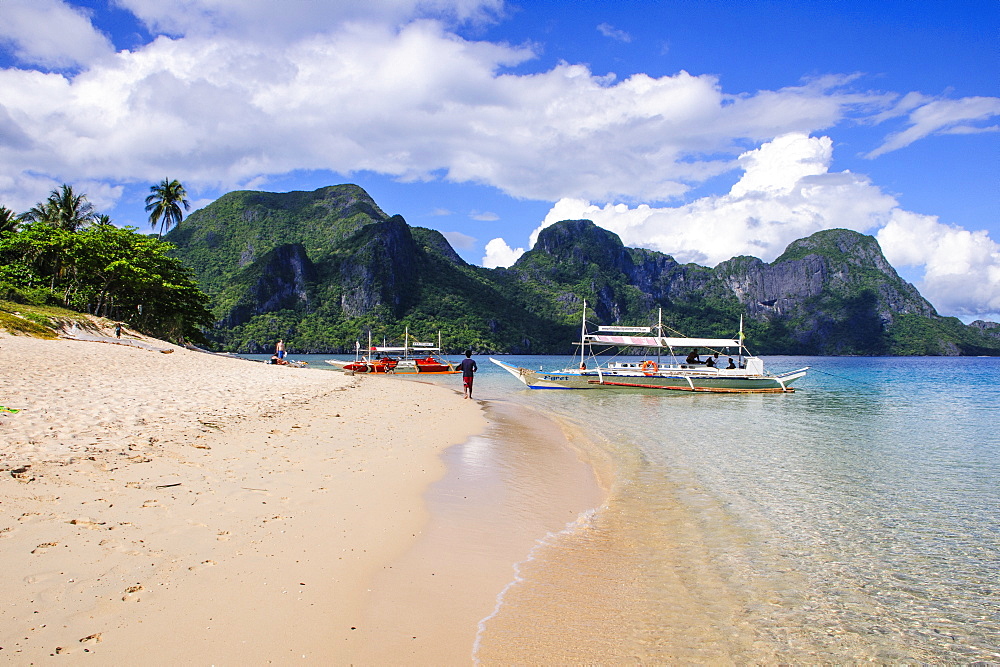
(321, 269)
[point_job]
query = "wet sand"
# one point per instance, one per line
(507, 492)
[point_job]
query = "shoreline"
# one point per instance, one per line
(506, 491)
(203, 507)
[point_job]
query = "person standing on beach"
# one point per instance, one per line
(279, 350)
(118, 329)
(468, 368)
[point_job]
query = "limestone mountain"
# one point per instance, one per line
(321, 269)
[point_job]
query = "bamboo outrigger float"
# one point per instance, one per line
(693, 374)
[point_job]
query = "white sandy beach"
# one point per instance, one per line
(193, 508)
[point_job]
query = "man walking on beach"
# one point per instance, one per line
(468, 368)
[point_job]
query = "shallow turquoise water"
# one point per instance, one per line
(877, 484)
(856, 519)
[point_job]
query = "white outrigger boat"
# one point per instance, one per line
(692, 374)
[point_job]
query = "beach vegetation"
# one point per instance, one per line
(9, 221)
(34, 296)
(65, 254)
(64, 209)
(164, 204)
(19, 322)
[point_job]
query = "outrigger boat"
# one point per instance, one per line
(691, 374)
(411, 357)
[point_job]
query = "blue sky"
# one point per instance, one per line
(701, 129)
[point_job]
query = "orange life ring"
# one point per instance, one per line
(646, 365)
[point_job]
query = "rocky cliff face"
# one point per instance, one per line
(833, 284)
(580, 256)
(380, 269)
(991, 329)
(279, 280)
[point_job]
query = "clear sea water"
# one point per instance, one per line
(856, 519)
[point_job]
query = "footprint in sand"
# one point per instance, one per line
(88, 523)
(223, 535)
(203, 564)
(92, 639)
(130, 591)
(43, 546)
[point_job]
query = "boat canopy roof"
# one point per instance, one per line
(404, 350)
(660, 341)
(617, 329)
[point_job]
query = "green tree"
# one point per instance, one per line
(64, 209)
(164, 204)
(108, 271)
(9, 221)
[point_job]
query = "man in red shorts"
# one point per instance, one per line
(468, 368)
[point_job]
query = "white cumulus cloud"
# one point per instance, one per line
(961, 268)
(216, 108)
(498, 253)
(51, 34)
(787, 192)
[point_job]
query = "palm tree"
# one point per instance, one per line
(9, 222)
(63, 209)
(164, 204)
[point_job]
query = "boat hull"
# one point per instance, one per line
(720, 383)
(379, 366)
(397, 367)
(426, 366)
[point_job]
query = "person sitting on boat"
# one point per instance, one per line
(731, 364)
(692, 357)
(583, 366)
(710, 362)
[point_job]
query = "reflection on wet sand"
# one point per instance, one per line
(504, 490)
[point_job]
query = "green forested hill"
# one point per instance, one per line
(240, 227)
(320, 269)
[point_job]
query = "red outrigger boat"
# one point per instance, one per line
(379, 364)
(411, 358)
